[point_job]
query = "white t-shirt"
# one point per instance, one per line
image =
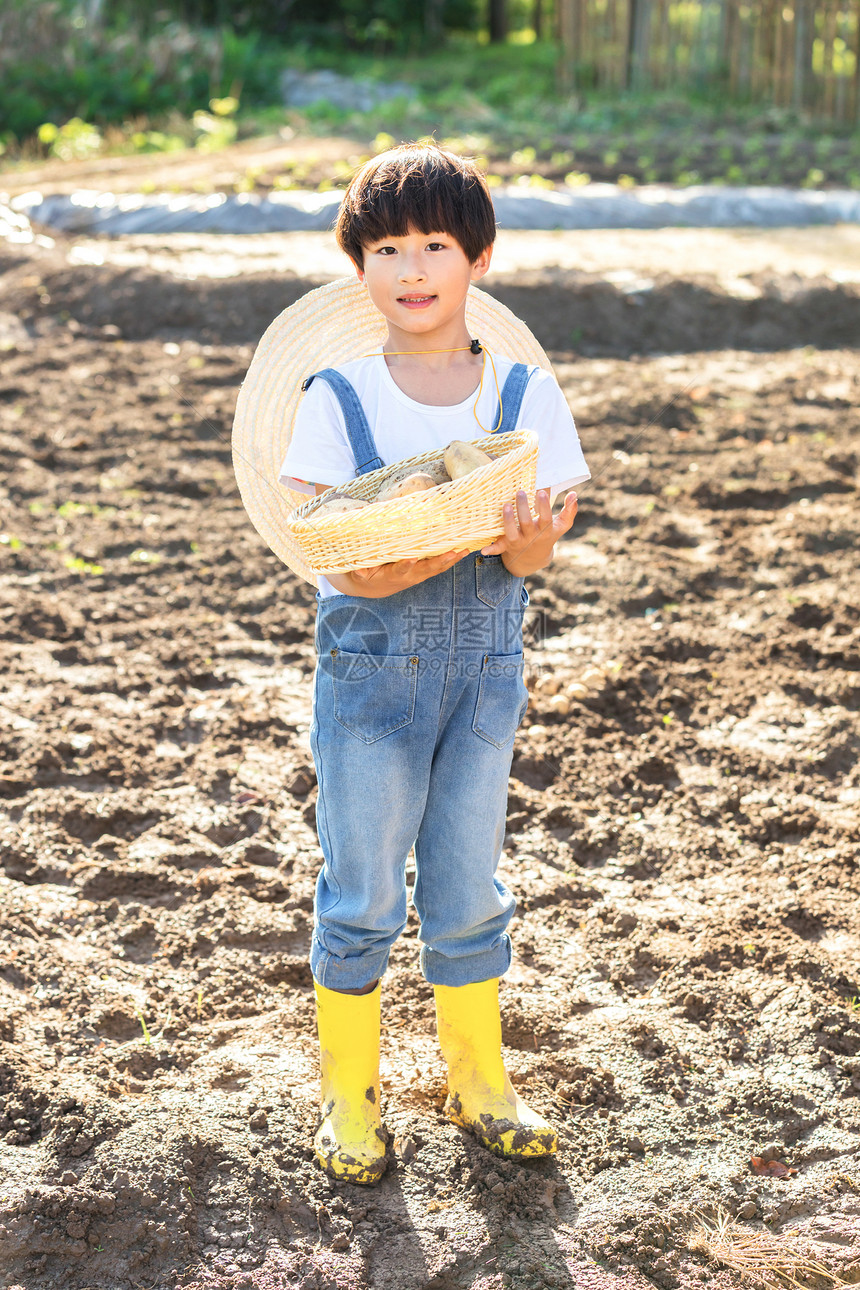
(320, 452)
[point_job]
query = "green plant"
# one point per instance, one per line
(151, 83)
(216, 128)
(523, 157)
(156, 141)
(76, 564)
(70, 142)
(112, 74)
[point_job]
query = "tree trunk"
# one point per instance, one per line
(566, 18)
(433, 26)
(638, 40)
(803, 36)
(537, 19)
(498, 21)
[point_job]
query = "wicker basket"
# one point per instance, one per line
(463, 514)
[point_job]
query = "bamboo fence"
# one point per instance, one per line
(800, 54)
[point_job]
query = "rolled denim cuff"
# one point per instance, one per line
(353, 972)
(441, 969)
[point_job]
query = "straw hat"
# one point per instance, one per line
(329, 326)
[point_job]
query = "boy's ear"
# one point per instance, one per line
(482, 264)
(359, 271)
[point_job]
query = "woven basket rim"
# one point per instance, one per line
(456, 512)
(513, 439)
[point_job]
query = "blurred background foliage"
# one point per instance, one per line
(545, 91)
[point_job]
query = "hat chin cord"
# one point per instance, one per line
(474, 348)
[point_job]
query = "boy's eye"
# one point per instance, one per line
(386, 250)
(435, 246)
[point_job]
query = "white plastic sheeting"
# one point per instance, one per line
(16, 228)
(592, 206)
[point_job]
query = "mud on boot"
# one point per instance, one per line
(350, 1141)
(481, 1097)
(507, 1128)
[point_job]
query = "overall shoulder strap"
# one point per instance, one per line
(360, 434)
(513, 392)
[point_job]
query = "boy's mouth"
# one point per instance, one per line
(415, 301)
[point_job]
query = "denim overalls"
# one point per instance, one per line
(417, 697)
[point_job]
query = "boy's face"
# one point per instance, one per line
(419, 281)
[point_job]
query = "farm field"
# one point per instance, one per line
(683, 825)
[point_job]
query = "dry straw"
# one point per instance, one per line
(765, 1259)
(330, 326)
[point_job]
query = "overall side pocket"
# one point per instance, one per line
(374, 695)
(492, 580)
(502, 699)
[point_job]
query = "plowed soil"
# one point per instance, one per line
(683, 836)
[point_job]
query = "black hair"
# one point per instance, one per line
(420, 187)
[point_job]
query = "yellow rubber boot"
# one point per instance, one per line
(480, 1095)
(350, 1141)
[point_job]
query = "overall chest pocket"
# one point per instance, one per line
(502, 699)
(374, 695)
(492, 580)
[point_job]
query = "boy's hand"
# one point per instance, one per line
(528, 540)
(385, 579)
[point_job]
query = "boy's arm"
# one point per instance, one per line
(528, 541)
(386, 579)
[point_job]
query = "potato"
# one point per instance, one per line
(435, 469)
(418, 482)
(336, 505)
(462, 458)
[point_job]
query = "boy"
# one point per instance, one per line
(419, 690)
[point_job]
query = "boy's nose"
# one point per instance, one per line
(411, 270)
